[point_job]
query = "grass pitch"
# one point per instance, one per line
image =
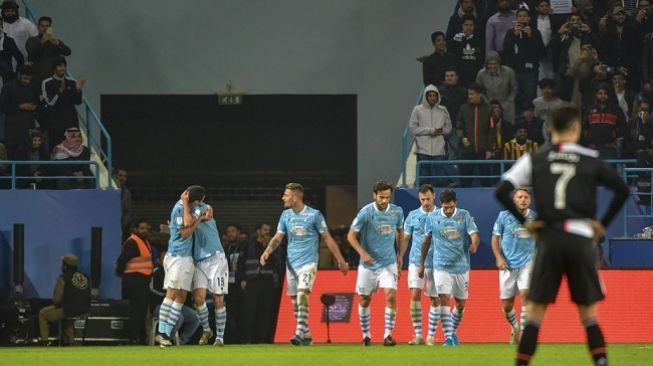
(319, 354)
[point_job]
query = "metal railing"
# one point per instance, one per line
(407, 141)
(13, 177)
(98, 138)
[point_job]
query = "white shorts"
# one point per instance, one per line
(179, 272)
(415, 282)
(301, 279)
(454, 284)
(212, 274)
(511, 282)
(369, 280)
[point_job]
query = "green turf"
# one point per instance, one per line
(320, 354)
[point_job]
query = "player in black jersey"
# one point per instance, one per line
(564, 178)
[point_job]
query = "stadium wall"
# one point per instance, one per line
(56, 223)
(626, 315)
(362, 47)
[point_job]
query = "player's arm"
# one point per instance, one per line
(272, 246)
(343, 266)
(517, 176)
(190, 221)
(425, 251)
(403, 245)
(503, 196)
(352, 238)
(476, 241)
(496, 249)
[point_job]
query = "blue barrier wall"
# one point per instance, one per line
(482, 205)
(58, 222)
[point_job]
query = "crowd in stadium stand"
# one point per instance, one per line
(526, 61)
(37, 103)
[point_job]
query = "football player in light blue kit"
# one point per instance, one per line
(212, 274)
(513, 248)
(379, 226)
(304, 227)
(414, 228)
(178, 262)
(450, 229)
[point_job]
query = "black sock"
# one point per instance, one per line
(595, 342)
(527, 343)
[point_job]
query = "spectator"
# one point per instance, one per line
(585, 9)
(502, 127)
(429, 122)
(585, 74)
(71, 297)
(135, 266)
(498, 25)
(465, 9)
(60, 95)
(566, 44)
(547, 25)
(469, 51)
(546, 104)
(477, 131)
(433, 66)
(523, 50)
(18, 101)
(17, 27)
(639, 136)
(647, 57)
(534, 125)
(33, 151)
(72, 149)
(260, 286)
(621, 47)
(120, 177)
(9, 54)
(643, 16)
(500, 83)
(43, 49)
(627, 99)
(188, 320)
(520, 145)
(453, 96)
(234, 247)
(603, 123)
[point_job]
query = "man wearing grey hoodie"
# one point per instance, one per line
(429, 121)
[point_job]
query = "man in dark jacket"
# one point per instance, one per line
(433, 66)
(603, 123)
(478, 133)
(18, 101)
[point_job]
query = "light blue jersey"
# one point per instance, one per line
(517, 244)
(207, 239)
(450, 238)
(378, 232)
(303, 230)
(179, 246)
(415, 226)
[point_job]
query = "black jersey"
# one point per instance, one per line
(564, 179)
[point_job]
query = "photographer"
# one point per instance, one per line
(566, 44)
(524, 48)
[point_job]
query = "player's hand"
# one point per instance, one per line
(534, 226)
(264, 258)
(599, 230)
(420, 271)
(473, 248)
(501, 264)
(343, 267)
(400, 264)
(184, 197)
(367, 259)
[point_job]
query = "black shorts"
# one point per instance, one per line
(559, 253)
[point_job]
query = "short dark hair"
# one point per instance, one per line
(435, 35)
(231, 224)
(25, 69)
(522, 10)
(563, 118)
(447, 196)
(59, 61)
(467, 17)
(543, 1)
(426, 188)
(382, 186)
(139, 221)
(450, 68)
(196, 193)
(475, 87)
(528, 106)
(547, 82)
(45, 18)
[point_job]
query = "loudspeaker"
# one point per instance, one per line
(19, 255)
(96, 258)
